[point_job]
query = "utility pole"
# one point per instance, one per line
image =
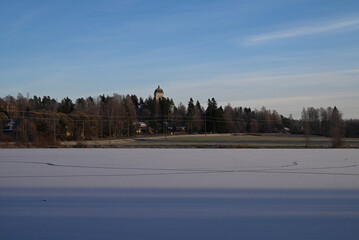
(83, 129)
(23, 126)
(54, 121)
(54, 129)
(205, 126)
(128, 129)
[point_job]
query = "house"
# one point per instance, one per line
(10, 125)
(141, 127)
(11, 110)
(9, 128)
(181, 129)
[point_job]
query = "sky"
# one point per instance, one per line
(284, 55)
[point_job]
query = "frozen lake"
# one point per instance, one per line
(179, 194)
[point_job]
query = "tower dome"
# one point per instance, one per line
(158, 93)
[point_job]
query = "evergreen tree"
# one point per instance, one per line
(66, 106)
(190, 116)
(336, 128)
(211, 113)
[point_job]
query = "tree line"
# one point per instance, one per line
(44, 120)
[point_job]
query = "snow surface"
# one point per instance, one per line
(179, 194)
(180, 168)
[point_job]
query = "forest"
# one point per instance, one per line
(44, 121)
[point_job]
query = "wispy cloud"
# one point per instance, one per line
(287, 93)
(305, 31)
(237, 81)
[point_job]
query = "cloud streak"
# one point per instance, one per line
(229, 81)
(304, 31)
(285, 93)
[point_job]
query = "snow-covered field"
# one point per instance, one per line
(179, 194)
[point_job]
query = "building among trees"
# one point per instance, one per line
(158, 93)
(45, 121)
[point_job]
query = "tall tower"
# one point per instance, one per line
(158, 93)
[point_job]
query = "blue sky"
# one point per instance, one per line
(284, 55)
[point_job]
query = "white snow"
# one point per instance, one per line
(179, 194)
(180, 168)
